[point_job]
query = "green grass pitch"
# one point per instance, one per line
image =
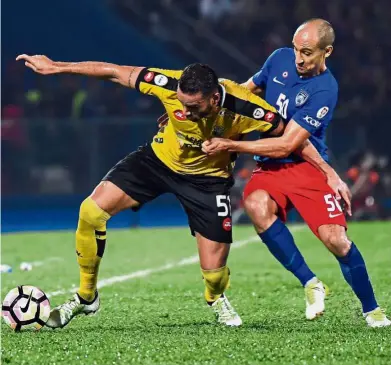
(159, 316)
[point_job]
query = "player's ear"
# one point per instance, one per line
(329, 50)
(216, 98)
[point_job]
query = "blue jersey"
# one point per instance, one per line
(310, 101)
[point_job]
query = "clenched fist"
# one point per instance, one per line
(216, 145)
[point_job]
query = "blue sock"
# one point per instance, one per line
(355, 273)
(280, 243)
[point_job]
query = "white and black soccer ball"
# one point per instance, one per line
(26, 307)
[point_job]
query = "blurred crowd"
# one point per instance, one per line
(255, 28)
(65, 96)
(369, 177)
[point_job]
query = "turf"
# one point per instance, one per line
(160, 318)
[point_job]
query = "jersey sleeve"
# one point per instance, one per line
(317, 111)
(256, 115)
(261, 77)
(158, 82)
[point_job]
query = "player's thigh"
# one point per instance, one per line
(207, 203)
(315, 201)
(212, 254)
(112, 199)
(264, 197)
(132, 182)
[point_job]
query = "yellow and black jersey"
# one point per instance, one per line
(178, 144)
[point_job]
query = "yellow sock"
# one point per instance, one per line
(216, 282)
(90, 245)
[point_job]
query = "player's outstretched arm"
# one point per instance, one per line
(124, 75)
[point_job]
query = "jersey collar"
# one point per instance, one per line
(222, 92)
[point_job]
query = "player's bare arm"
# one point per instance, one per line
(124, 75)
(292, 138)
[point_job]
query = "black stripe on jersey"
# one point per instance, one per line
(249, 109)
(149, 77)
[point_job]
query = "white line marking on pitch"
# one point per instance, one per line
(44, 262)
(143, 273)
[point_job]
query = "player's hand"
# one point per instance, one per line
(341, 191)
(39, 63)
(216, 145)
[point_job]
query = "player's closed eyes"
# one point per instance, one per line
(305, 53)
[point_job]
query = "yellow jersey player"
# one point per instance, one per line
(199, 107)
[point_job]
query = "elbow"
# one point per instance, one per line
(284, 150)
(282, 154)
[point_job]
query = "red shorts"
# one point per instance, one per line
(298, 185)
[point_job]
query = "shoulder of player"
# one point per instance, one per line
(240, 100)
(176, 74)
(166, 79)
(284, 51)
(282, 54)
(333, 81)
(234, 90)
(326, 82)
(280, 60)
(327, 87)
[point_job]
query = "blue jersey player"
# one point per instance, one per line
(297, 82)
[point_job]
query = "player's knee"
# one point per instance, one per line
(259, 204)
(336, 242)
(92, 214)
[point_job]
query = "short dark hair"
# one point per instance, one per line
(198, 77)
(325, 31)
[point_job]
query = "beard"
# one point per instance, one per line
(195, 117)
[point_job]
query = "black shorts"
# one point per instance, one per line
(206, 200)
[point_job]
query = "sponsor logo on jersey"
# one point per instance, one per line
(189, 141)
(322, 112)
(180, 115)
(334, 215)
(269, 116)
(158, 139)
(301, 98)
(278, 81)
(315, 123)
(149, 76)
(227, 224)
(258, 113)
(161, 80)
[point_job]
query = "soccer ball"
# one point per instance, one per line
(26, 307)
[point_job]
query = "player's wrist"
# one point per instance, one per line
(232, 146)
(57, 68)
(328, 170)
